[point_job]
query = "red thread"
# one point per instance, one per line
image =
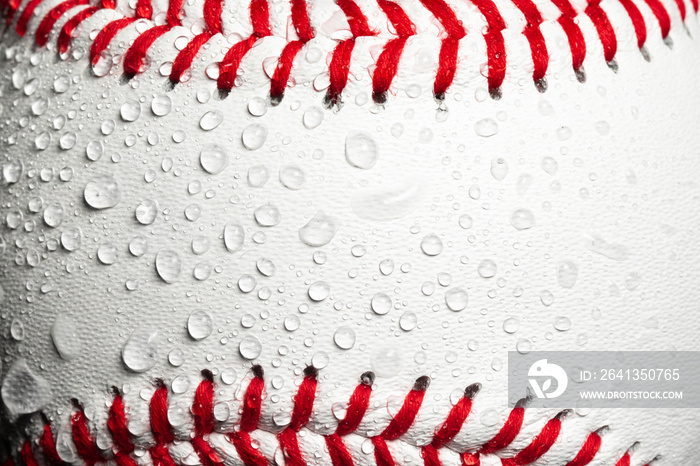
(388, 61)
(252, 406)
(68, 29)
(538, 48)
(357, 407)
(9, 10)
(105, 36)
(203, 411)
(577, 43)
(27, 454)
(83, 439)
(116, 423)
(303, 405)
(606, 33)
(626, 460)
(48, 21)
(588, 450)
(539, 445)
(495, 45)
(447, 66)
(339, 68)
(25, 16)
(400, 423)
(661, 15)
(302, 25)
(160, 426)
(228, 69)
(48, 444)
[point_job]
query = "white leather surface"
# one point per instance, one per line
(626, 148)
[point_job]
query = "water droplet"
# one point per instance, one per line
(161, 105)
(313, 117)
(147, 211)
(199, 325)
(257, 106)
(292, 177)
(562, 323)
(247, 283)
(487, 268)
(522, 219)
(66, 338)
(94, 150)
(23, 391)
(267, 215)
(107, 253)
(431, 245)
(213, 159)
(318, 291)
(140, 350)
(388, 203)
(386, 361)
(211, 120)
(466, 221)
(250, 347)
(254, 136)
(12, 171)
(130, 110)
(567, 273)
(320, 360)
(486, 127)
(499, 168)
(511, 325)
(234, 235)
(292, 322)
(550, 165)
(456, 299)
(168, 265)
(53, 214)
(138, 246)
(361, 150)
(180, 384)
(17, 330)
(266, 267)
(523, 346)
(229, 376)
(102, 192)
(381, 303)
(71, 238)
(408, 321)
(386, 267)
(258, 176)
(176, 357)
(546, 297)
(344, 337)
(319, 231)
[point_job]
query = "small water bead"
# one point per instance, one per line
(344, 337)
(292, 177)
(71, 239)
(199, 325)
(66, 337)
(320, 257)
(486, 127)
(213, 159)
(319, 231)
(408, 321)
(130, 110)
(361, 150)
(200, 244)
(523, 346)
(17, 330)
(94, 150)
(427, 288)
(102, 192)
(161, 105)
(254, 136)
(53, 214)
(318, 291)
(567, 273)
(358, 250)
(381, 303)
(257, 106)
(141, 350)
(229, 376)
(258, 175)
(211, 120)
(138, 246)
(267, 215)
(193, 212)
(386, 361)
(176, 357)
(247, 320)
(292, 323)
(386, 267)
(250, 347)
(23, 391)
(562, 323)
(487, 268)
(499, 168)
(522, 219)
(320, 360)
(107, 127)
(313, 117)
(107, 253)
(168, 265)
(61, 84)
(549, 165)
(563, 133)
(42, 141)
(511, 325)
(179, 136)
(12, 171)
(234, 235)
(146, 211)
(456, 299)
(180, 384)
(202, 271)
(247, 283)
(266, 267)
(67, 141)
(40, 106)
(466, 221)
(431, 245)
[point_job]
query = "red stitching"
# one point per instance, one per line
(204, 424)
(388, 62)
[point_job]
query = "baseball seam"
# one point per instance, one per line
(250, 409)
(388, 62)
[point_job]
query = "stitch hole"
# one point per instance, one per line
(669, 42)
(541, 85)
(472, 390)
(496, 93)
(645, 53)
(379, 98)
(612, 64)
(580, 74)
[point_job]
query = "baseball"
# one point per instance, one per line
(313, 232)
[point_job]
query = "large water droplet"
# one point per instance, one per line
(318, 291)
(254, 136)
(71, 238)
(130, 110)
(147, 211)
(487, 268)
(344, 337)
(267, 215)
(168, 265)
(567, 273)
(486, 127)
(199, 325)
(292, 177)
(258, 176)
(250, 347)
(53, 214)
(211, 120)
(213, 159)
(499, 168)
(319, 231)
(522, 219)
(66, 337)
(456, 299)
(102, 192)
(361, 150)
(313, 117)
(140, 350)
(381, 303)
(234, 235)
(161, 105)
(23, 391)
(431, 245)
